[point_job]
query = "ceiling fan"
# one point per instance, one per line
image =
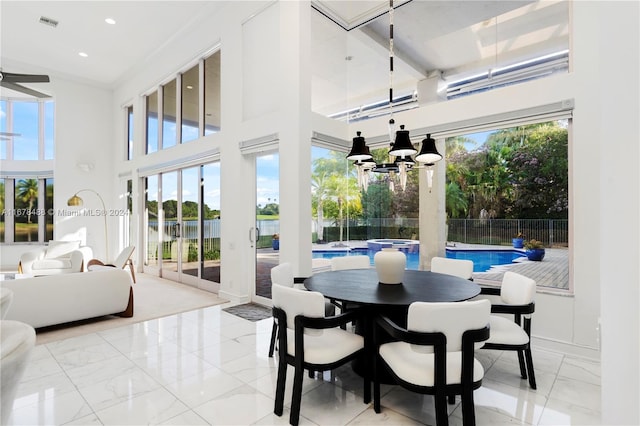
(11, 81)
(7, 136)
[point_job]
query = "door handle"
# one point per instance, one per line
(176, 230)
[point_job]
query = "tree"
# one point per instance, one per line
(334, 190)
(540, 174)
(519, 172)
(27, 191)
(456, 202)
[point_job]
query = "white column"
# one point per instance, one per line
(295, 136)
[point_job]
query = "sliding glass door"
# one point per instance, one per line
(183, 225)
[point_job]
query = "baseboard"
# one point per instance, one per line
(565, 348)
(234, 298)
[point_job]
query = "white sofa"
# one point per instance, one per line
(58, 257)
(57, 299)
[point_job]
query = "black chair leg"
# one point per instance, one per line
(523, 371)
(282, 377)
(468, 409)
(274, 334)
(442, 416)
(376, 386)
(367, 390)
(532, 376)
(296, 398)
(452, 399)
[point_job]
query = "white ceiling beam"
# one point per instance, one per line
(365, 34)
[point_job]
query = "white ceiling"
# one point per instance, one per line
(455, 38)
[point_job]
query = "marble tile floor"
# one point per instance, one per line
(210, 367)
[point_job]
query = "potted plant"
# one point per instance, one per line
(275, 241)
(534, 250)
(518, 240)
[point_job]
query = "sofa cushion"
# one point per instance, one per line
(58, 263)
(57, 249)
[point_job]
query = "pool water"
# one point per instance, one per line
(483, 260)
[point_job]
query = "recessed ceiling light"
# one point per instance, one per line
(110, 21)
(84, 55)
(189, 87)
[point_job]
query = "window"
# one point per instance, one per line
(197, 112)
(2, 212)
(152, 122)
(25, 126)
(130, 132)
(212, 94)
(25, 223)
(23, 209)
(28, 143)
(169, 130)
(4, 137)
(27, 130)
(190, 105)
(49, 130)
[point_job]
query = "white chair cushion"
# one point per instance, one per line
(332, 345)
(298, 302)
(458, 267)
(350, 262)
(517, 289)
(282, 274)
(124, 255)
(57, 263)
(452, 319)
(506, 332)
(57, 249)
(418, 368)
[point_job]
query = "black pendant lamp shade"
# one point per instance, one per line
(428, 154)
(402, 147)
(359, 151)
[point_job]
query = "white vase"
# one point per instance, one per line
(390, 265)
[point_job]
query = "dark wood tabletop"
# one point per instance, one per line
(361, 286)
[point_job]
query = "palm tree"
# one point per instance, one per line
(319, 189)
(28, 192)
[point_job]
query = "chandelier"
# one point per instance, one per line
(402, 148)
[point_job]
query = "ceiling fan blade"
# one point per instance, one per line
(22, 89)
(10, 77)
(8, 135)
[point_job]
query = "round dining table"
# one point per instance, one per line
(360, 287)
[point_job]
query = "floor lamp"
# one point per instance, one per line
(76, 201)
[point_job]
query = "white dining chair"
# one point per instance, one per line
(307, 340)
(282, 275)
(434, 354)
(517, 294)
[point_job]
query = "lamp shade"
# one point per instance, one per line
(402, 146)
(428, 154)
(359, 150)
(75, 201)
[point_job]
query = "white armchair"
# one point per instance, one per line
(59, 257)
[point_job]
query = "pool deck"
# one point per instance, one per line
(551, 274)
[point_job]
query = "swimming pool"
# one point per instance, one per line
(482, 259)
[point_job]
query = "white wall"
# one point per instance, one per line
(84, 135)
